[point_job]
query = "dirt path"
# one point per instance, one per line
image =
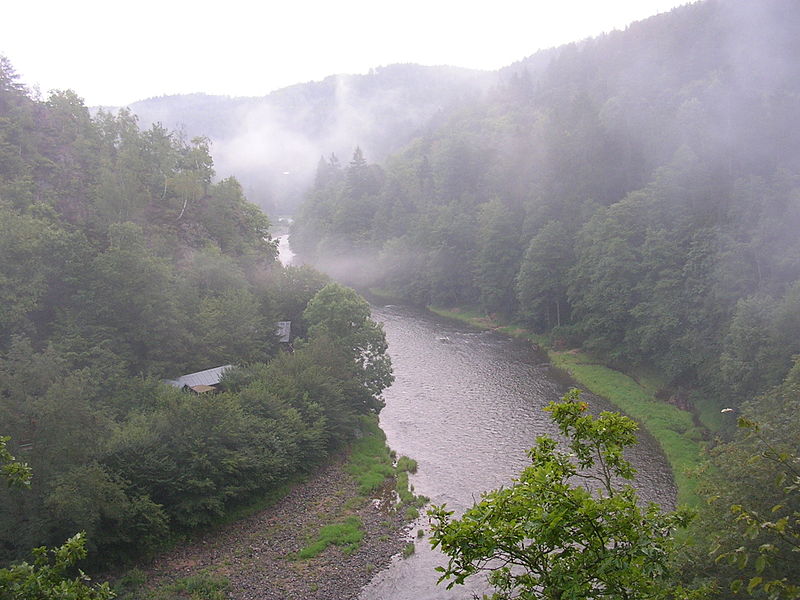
(253, 553)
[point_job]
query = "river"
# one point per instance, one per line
(467, 405)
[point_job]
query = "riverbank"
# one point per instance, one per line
(345, 520)
(673, 428)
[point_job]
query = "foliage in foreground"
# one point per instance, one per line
(48, 576)
(752, 519)
(546, 537)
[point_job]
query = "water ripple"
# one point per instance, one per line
(467, 405)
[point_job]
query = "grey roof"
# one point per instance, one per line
(283, 329)
(207, 377)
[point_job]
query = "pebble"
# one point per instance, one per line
(253, 553)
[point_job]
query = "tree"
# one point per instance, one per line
(44, 580)
(545, 537)
(14, 472)
(497, 259)
(541, 283)
(47, 579)
(339, 313)
(752, 520)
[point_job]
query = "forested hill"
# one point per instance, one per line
(272, 143)
(123, 263)
(640, 196)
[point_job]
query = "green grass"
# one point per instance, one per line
(405, 464)
(370, 461)
(673, 428)
(411, 513)
(371, 464)
(385, 295)
(708, 411)
(346, 534)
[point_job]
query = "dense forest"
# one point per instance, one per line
(123, 263)
(637, 195)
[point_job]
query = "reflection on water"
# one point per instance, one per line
(467, 405)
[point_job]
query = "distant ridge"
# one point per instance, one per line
(272, 143)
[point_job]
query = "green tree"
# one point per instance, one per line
(120, 522)
(751, 523)
(46, 578)
(748, 362)
(130, 297)
(231, 329)
(566, 528)
(542, 281)
(22, 269)
(497, 259)
(14, 472)
(339, 313)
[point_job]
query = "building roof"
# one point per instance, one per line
(207, 377)
(283, 329)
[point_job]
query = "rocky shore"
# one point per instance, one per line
(255, 553)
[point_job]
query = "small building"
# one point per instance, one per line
(201, 382)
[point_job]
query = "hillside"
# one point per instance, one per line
(639, 197)
(124, 264)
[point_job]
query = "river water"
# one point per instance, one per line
(467, 405)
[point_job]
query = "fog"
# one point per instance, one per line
(273, 144)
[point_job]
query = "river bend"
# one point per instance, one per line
(467, 405)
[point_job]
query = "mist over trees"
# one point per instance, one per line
(637, 195)
(123, 262)
(271, 143)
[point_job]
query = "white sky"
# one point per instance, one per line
(114, 53)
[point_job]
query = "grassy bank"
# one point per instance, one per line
(672, 427)
(371, 463)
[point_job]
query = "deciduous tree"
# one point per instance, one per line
(566, 528)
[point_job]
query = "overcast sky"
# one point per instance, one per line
(113, 53)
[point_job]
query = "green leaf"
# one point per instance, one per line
(760, 563)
